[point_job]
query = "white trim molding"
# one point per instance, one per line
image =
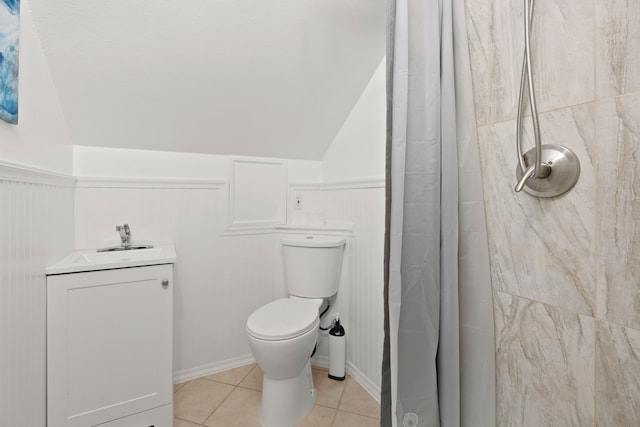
(350, 184)
(237, 230)
(212, 368)
(329, 228)
(21, 173)
(96, 182)
(357, 374)
(247, 359)
(364, 381)
(244, 213)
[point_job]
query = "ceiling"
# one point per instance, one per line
(245, 77)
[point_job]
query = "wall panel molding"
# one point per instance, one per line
(26, 174)
(351, 184)
(257, 196)
(163, 183)
(212, 368)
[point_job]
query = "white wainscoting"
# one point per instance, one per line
(360, 299)
(365, 208)
(36, 229)
(219, 281)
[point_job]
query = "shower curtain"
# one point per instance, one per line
(439, 363)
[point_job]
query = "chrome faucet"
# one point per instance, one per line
(125, 235)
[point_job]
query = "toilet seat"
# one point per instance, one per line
(283, 319)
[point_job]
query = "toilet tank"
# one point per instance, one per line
(312, 265)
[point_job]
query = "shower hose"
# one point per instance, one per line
(537, 169)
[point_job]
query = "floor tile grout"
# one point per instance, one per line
(342, 394)
(336, 410)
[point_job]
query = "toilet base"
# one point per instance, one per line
(285, 402)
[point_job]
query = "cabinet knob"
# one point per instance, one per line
(165, 283)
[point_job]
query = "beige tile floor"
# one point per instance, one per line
(232, 399)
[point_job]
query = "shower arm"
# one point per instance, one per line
(536, 177)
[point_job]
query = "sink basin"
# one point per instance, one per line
(120, 255)
(91, 260)
(122, 248)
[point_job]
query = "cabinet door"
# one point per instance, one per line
(158, 417)
(109, 339)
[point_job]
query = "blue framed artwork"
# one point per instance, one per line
(9, 37)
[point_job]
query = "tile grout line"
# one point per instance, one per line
(235, 386)
(355, 413)
(221, 402)
(342, 394)
(336, 410)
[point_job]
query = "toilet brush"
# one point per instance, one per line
(337, 350)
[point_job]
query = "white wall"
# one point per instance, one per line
(185, 199)
(41, 139)
(36, 229)
(219, 280)
(358, 151)
(354, 169)
(174, 198)
(222, 276)
(353, 191)
(125, 163)
(223, 273)
(364, 283)
(245, 77)
(215, 292)
(360, 296)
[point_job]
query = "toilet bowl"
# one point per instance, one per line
(283, 333)
(282, 336)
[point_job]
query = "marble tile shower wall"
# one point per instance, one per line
(565, 271)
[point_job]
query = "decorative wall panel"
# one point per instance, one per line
(258, 194)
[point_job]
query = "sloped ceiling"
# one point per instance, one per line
(273, 78)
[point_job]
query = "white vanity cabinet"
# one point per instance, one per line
(109, 347)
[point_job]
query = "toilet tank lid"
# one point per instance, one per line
(314, 241)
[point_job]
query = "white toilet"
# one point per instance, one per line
(283, 333)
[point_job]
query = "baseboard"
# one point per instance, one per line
(321, 361)
(212, 368)
(372, 388)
